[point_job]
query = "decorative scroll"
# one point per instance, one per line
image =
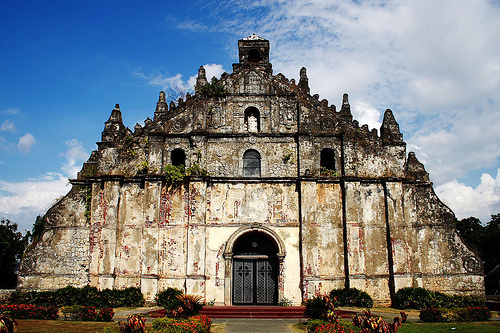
(179, 125)
(327, 124)
(472, 264)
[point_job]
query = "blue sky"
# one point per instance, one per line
(65, 64)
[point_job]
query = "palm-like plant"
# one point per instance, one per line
(191, 305)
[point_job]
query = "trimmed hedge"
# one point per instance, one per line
(420, 298)
(457, 315)
(86, 296)
(29, 311)
(351, 297)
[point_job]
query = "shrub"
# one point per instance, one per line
(472, 314)
(134, 324)
(413, 298)
(131, 296)
(29, 311)
(86, 296)
(168, 298)
(318, 307)
(420, 298)
(196, 324)
(368, 323)
(321, 307)
(314, 323)
(330, 328)
(432, 315)
(351, 297)
(190, 305)
(7, 324)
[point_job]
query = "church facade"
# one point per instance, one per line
(252, 191)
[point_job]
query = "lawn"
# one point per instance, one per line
(63, 326)
(483, 327)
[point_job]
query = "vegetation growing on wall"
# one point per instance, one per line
(213, 88)
(175, 174)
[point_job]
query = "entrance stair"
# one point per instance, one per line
(254, 311)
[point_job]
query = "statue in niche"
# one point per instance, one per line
(252, 123)
(216, 117)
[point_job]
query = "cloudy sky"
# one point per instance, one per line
(65, 64)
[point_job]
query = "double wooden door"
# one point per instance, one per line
(255, 281)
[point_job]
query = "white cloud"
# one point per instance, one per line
(435, 64)
(465, 201)
(176, 84)
(25, 143)
(22, 202)
(8, 126)
(10, 111)
(75, 155)
(366, 114)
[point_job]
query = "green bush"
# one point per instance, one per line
(420, 298)
(413, 298)
(455, 301)
(86, 296)
(130, 296)
(472, 314)
(351, 297)
(168, 298)
(320, 307)
(432, 315)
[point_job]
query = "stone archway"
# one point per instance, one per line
(254, 263)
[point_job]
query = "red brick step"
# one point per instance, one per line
(253, 311)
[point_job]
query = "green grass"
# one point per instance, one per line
(483, 327)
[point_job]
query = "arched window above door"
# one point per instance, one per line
(251, 163)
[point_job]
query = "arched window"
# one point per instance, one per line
(252, 119)
(178, 157)
(254, 56)
(327, 159)
(251, 163)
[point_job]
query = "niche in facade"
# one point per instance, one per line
(178, 157)
(251, 163)
(327, 159)
(252, 119)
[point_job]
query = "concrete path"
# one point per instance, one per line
(241, 325)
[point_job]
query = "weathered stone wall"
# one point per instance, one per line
(370, 221)
(60, 257)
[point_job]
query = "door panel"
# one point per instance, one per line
(254, 281)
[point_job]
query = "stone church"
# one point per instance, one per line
(252, 191)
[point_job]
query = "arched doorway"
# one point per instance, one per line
(254, 255)
(255, 274)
